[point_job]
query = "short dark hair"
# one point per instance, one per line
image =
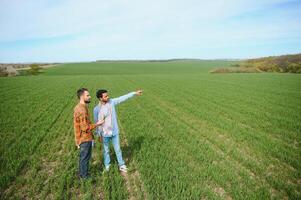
(81, 91)
(100, 92)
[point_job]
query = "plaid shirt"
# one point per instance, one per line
(82, 124)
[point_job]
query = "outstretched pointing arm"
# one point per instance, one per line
(123, 98)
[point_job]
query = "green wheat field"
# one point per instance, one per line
(191, 135)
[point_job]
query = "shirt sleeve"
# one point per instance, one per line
(95, 114)
(123, 98)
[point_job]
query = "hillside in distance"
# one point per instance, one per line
(282, 64)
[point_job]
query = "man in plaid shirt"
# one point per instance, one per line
(83, 131)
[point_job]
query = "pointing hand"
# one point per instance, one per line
(139, 92)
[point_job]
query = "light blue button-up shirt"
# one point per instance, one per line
(112, 102)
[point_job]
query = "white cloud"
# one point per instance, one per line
(96, 28)
(41, 19)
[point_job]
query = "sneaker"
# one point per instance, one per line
(123, 168)
(107, 168)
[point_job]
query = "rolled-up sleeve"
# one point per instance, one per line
(95, 116)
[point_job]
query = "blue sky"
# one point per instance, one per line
(76, 30)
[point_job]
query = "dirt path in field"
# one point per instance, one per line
(133, 181)
(42, 66)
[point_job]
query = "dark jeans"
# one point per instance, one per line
(84, 157)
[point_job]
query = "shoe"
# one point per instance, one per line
(123, 168)
(107, 168)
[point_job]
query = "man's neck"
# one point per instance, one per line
(102, 102)
(82, 102)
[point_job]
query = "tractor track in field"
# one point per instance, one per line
(48, 166)
(133, 181)
(233, 108)
(242, 153)
(22, 167)
(229, 118)
(191, 160)
(235, 162)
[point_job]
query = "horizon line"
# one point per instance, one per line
(150, 60)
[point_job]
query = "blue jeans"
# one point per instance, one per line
(84, 158)
(106, 150)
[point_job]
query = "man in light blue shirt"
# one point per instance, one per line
(109, 131)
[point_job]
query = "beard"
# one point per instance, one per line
(105, 100)
(87, 101)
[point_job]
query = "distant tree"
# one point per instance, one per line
(235, 65)
(3, 72)
(34, 69)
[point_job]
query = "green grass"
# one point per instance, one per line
(192, 135)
